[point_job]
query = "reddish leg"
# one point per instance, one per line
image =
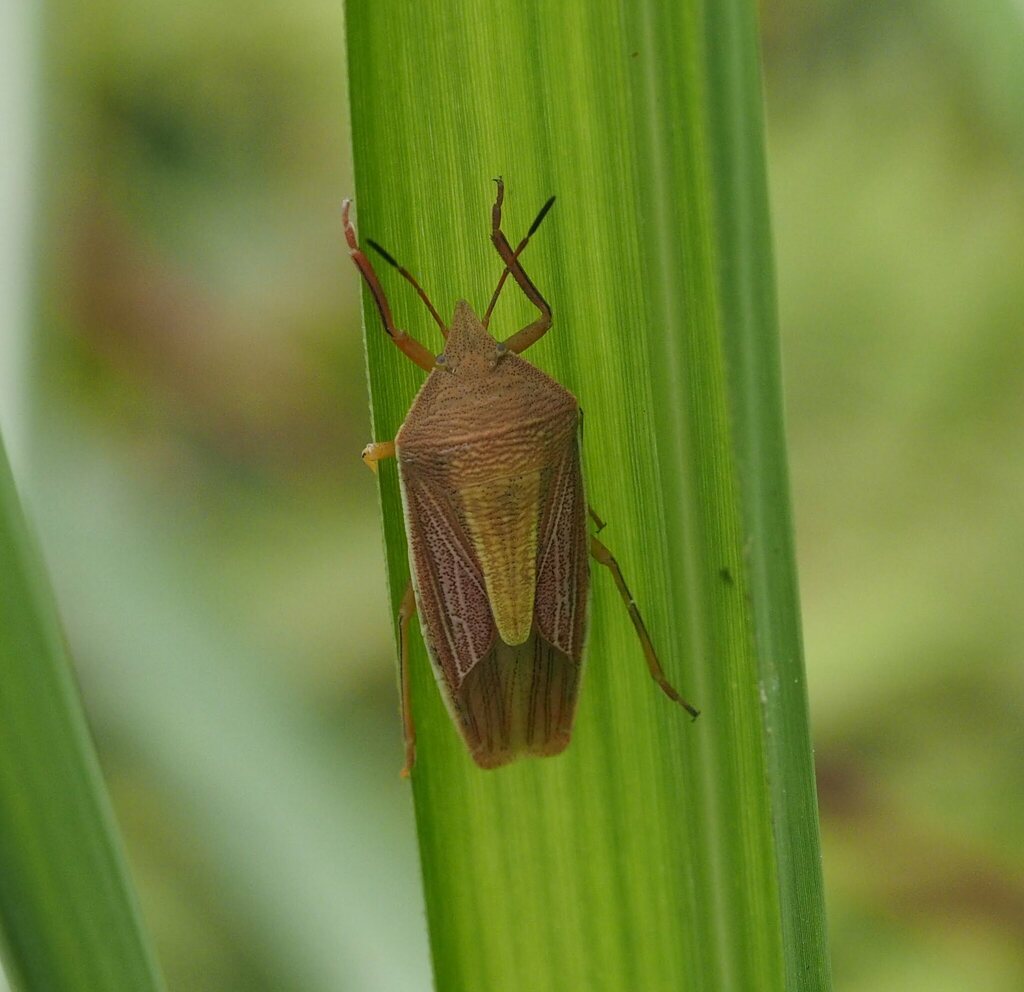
(519, 250)
(604, 557)
(410, 346)
(521, 340)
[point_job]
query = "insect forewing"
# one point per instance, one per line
(508, 700)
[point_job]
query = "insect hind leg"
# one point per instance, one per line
(604, 557)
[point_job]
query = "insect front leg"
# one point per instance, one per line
(604, 557)
(377, 451)
(405, 614)
(521, 340)
(409, 346)
(520, 248)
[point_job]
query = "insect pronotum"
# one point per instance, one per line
(496, 520)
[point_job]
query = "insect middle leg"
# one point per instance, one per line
(409, 345)
(405, 614)
(377, 451)
(521, 340)
(604, 557)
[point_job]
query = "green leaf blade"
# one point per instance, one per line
(68, 914)
(747, 288)
(647, 855)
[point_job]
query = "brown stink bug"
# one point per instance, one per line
(496, 520)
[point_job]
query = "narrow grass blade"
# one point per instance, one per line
(310, 863)
(68, 915)
(657, 853)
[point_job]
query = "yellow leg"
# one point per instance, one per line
(604, 557)
(376, 451)
(405, 613)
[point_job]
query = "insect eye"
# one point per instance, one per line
(500, 349)
(442, 359)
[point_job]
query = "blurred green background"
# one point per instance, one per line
(182, 385)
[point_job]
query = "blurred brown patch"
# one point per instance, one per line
(231, 380)
(911, 867)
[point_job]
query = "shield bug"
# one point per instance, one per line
(496, 521)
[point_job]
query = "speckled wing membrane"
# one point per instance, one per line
(450, 591)
(563, 565)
